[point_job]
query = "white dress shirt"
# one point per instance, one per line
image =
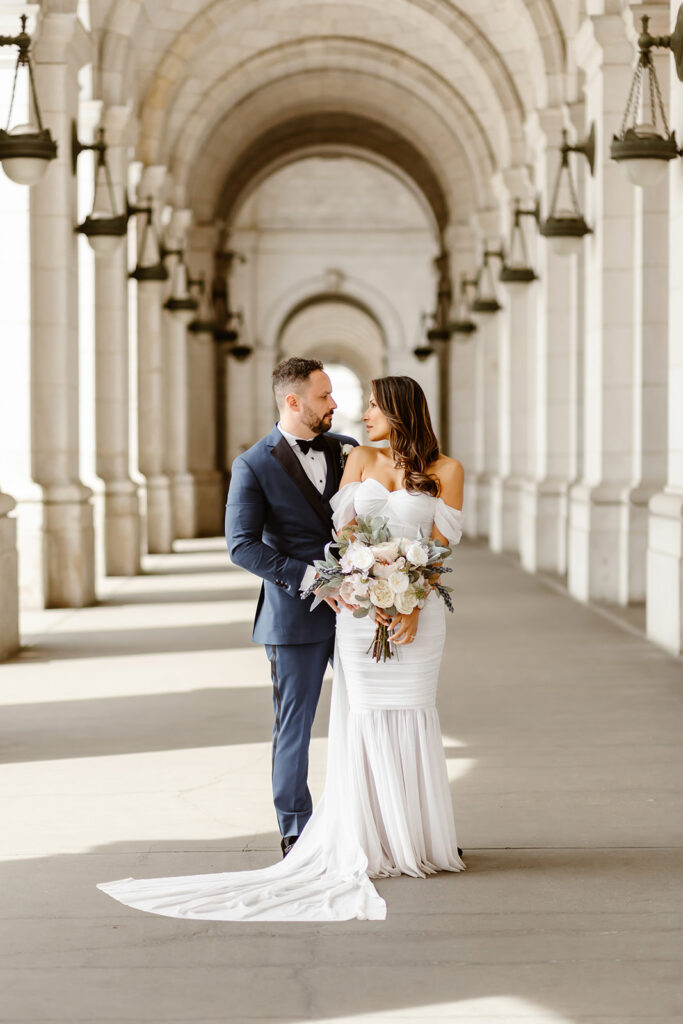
(314, 463)
(315, 468)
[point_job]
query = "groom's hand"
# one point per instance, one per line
(337, 603)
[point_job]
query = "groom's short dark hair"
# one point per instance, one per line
(290, 374)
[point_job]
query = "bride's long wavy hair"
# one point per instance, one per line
(411, 434)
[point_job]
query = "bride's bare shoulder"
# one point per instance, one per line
(446, 467)
(451, 476)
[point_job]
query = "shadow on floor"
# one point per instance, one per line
(63, 645)
(143, 723)
(182, 597)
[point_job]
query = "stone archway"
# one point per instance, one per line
(341, 332)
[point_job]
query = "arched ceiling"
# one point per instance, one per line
(456, 80)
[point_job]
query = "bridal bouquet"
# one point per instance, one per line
(367, 567)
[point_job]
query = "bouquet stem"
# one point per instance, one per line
(381, 644)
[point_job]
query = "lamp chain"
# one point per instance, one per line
(35, 94)
(635, 82)
(14, 89)
(662, 110)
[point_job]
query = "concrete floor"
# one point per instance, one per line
(134, 741)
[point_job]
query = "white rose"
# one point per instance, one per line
(347, 449)
(381, 594)
(406, 602)
(359, 556)
(399, 582)
(416, 553)
(387, 551)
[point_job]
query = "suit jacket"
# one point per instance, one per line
(276, 523)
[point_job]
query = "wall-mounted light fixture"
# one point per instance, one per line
(104, 227)
(205, 321)
(423, 349)
(565, 225)
(516, 267)
(240, 352)
(463, 324)
(485, 297)
(150, 265)
(25, 149)
(180, 302)
(644, 144)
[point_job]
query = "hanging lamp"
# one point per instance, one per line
(645, 145)
(517, 267)
(565, 226)
(25, 149)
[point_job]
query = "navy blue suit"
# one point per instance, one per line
(276, 524)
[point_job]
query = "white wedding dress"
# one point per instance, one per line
(386, 809)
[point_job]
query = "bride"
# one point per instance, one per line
(386, 809)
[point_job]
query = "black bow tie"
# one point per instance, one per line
(317, 443)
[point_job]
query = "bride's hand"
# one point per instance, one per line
(404, 627)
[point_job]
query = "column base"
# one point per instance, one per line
(69, 547)
(183, 505)
(664, 622)
(605, 543)
(121, 528)
(483, 484)
(159, 519)
(504, 511)
(210, 490)
(9, 579)
(543, 529)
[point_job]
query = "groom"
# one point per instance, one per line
(278, 519)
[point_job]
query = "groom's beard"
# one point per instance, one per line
(317, 424)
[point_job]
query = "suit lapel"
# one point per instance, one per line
(283, 453)
(333, 450)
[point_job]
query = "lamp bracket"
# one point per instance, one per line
(534, 212)
(587, 147)
(78, 147)
(489, 253)
(23, 40)
(133, 208)
(164, 252)
(674, 42)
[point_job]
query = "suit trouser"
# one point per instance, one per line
(297, 672)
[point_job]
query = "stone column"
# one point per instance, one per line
(151, 296)
(121, 503)
(600, 510)
(68, 537)
(177, 398)
(462, 384)
(209, 487)
(665, 527)
(488, 349)
(552, 383)
(14, 330)
(9, 579)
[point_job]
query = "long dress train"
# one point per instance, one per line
(386, 809)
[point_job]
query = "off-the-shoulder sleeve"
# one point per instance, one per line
(448, 521)
(343, 508)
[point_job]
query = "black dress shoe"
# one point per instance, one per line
(287, 842)
(459, 851)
